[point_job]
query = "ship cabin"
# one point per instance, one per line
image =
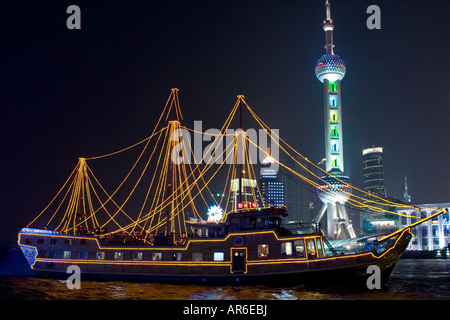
(252, 219)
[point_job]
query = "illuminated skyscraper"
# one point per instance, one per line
(335, 190)
(373, 171)
(272, 190)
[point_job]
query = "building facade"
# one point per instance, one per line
(431, 235)
(373, 171)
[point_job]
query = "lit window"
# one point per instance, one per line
(334, 131)
(118, 255)
(67, 254)
(333, 116)
(333, 101)
(335, 161)
(83, 254)
(177, 256)
(219, 256)
(263, 250)
(311, 247)
(197, 256)
(137, 255)
(100, 255)
(319, 248)
(156, 256)
(334, 146)
(300, 248)
(286, 249)
(332, 86)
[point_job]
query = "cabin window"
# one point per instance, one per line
(197, 256)
(50, 265)
(42, 254)
(28, 241)
(83, 254)
(67, 241)
(40, 241)
(118, 255)
(263, 250)
(52, 254)
(177, 256)
(67, 254)
(53, 241)
(286, 249)
(84, 241)
(137, 255)
(300, 248)
(100, 255)
(319, 248)
(219, 256)
(311, 247)
(156, 256)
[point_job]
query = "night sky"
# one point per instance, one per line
(79, 93)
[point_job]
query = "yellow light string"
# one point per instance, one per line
(103, 203)
(61, 203)
(102, 206)
(280, 139)
(324, 190)
(56, 196)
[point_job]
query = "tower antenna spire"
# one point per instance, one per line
(328, 27)
(328, 5)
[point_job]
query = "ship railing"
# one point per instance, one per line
(143, 239)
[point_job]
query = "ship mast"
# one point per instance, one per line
(174, 123)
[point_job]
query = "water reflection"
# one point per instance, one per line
(411, 279)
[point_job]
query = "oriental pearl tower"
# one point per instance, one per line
(334, 189)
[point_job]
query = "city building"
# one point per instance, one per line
(373, 171)
(272, 190)
(431, 235)
(406, 196)
(334, 190)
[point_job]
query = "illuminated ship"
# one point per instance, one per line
(170, 239)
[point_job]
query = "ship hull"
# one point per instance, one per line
(235, 259)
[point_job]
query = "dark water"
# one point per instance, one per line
(411, 279)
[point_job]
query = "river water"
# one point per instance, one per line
(418, 279)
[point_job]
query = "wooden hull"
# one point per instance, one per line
(233, 259)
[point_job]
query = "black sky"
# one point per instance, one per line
(72, 93)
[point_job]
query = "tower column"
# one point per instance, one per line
(334, 190)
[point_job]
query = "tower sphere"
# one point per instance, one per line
(330, 67)
(332, 190)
